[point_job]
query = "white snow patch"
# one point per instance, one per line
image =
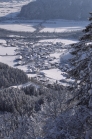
(54, 74)
(89, 43)
(7, 50)
(56, 55)
(64, 41)
(2, 41)
(7, 60)
(18, 27)
(63, 25)
(31, 75)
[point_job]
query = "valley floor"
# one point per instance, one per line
(43, 60)
(40, 48)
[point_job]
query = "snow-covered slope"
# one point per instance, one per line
(57, 9)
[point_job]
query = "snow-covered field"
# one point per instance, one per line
(10, 9)
(7, 60)
(64, 41)
(7, 50)
(2, 41)
(17, 27)
(54, 74)
(53, 26)
(63, 26)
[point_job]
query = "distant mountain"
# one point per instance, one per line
(57, 9)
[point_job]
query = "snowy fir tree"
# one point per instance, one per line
(88, 30)
(82, 60)
(75, 122)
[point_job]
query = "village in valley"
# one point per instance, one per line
(36, 57)
(41, 48)
(42, 54)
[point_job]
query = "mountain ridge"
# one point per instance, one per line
(56, 9)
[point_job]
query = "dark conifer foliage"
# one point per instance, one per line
(15, 101)
(82, 72)
(10, 76)
(82, 61)
(88, 31)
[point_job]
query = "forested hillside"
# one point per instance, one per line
(57, 9)
(10, 76)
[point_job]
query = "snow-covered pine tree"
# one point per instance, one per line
(82, 64)
(88, 31)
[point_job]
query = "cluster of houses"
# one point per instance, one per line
(37, 56)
